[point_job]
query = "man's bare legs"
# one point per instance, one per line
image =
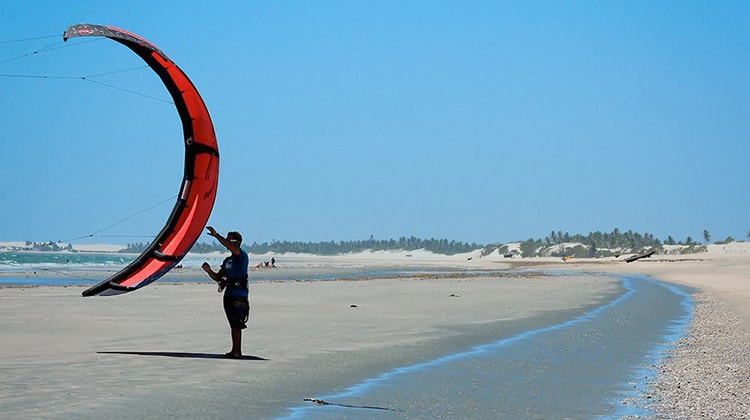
(236, 351)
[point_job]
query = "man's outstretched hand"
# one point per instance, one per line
(206, 267)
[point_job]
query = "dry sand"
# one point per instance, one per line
(156, 353)
(723, 272)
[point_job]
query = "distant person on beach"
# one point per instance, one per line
(232, 279)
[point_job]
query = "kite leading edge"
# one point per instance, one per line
(198, 190)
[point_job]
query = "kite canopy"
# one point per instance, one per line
(198, 190)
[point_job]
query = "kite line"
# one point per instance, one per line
(89, 78)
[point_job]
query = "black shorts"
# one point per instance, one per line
(237, 309)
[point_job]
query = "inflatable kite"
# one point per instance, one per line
(198, 189)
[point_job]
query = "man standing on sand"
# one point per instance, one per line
(232, 278)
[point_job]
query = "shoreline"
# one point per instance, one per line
(704, 373)
(153, 352)
(96, 357)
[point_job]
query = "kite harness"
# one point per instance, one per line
(226, 282)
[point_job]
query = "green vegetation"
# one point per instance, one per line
(728, 240)
(48, 246)
(438, 246)
(556, 244)
(593, 245)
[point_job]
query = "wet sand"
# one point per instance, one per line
(708, 373)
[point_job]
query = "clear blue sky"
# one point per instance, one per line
(478, 121)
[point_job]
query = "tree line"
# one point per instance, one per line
(48, 246)
(437, 246)
(598, 244)
(594, 244)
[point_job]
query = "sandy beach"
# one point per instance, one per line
(158, 352)
(723, 272)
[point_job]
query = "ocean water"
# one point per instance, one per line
(31, 261)
(590, 367)
(78, 269)
(57, 269)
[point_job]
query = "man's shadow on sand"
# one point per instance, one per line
(181, 355)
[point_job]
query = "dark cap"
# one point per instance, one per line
(234, 237)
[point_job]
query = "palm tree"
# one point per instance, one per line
(706, 236)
